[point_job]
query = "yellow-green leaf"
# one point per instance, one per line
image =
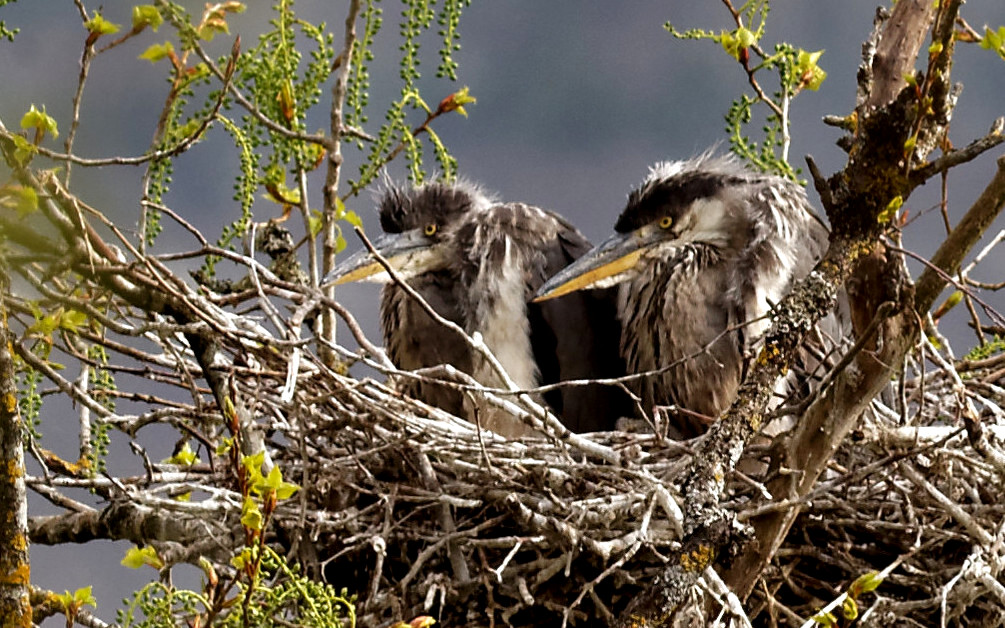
(866, 582)
(71, 320)
(849, 608)
(745, 37)
(40, 121)
(23, 150)
(156, 52)
(184, 456)
(83, 596)
(146, 15)
(136, 558)
(810, 74)
(286, 490)
(315, 222)
(251, 515)
(736, 42)
(353, 219)
(245, 557)
(891, 209)
(21, 199)
(994, 40)
(98, 25)
(825, 619)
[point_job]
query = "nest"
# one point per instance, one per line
(421, 513)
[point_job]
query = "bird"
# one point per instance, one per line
(477, 262)
(702, 250)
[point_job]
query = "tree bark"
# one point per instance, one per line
(15, 569)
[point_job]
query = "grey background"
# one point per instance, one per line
(575, 100)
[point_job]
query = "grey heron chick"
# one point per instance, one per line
(702, 250)
(477, 262)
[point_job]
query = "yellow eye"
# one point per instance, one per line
(430, 229)
(665, 222)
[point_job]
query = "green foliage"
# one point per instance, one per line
(99, 26)
(994, 40)
(5, 32)
(41, 122)
(102, 383)
(289, 596)
(448, 19)
(29, 400)
(357, 97)
(849, 606)
(793, 68)
(981, 352)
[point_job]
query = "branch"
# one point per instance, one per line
(957, 244)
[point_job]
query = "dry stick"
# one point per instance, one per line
(553, 426)
(329, 246)
(953, 509)
(641, 533)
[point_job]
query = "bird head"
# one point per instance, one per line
(418, 223)
(698, 201)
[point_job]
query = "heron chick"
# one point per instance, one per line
(477, 262)
(702, 250)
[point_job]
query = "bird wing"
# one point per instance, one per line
(576, 336)
(414, 340)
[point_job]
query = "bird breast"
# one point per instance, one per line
(674, 314)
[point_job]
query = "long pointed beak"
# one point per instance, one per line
(408, 252)
(599, 267)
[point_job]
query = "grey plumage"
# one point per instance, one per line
(477, 262)
(702, 250)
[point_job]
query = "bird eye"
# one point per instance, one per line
(430, 229)
(665, 222)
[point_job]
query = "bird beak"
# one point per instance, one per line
(600, 266)
(409, 252)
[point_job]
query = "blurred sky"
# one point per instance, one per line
(575, 100)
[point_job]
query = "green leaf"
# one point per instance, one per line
(98, 25)
(286, 490)
(244, 558)
(46, 325)
(253, 464)
(745, 36)
(274, 481)
(251, 515)
(849, 608)
(146, 15)
(184, 456)
(825, 619)
(40, 121)
(891, 209)
(23, 150)
(809, 73)
(865, 583)
(21, 199)
(994, 40)
(315, 222)
(340, 243)
(456, 101)
(156, 52)
(736, 42)
(136, 558)
(71, 320)
(83, 596)
(353, 219)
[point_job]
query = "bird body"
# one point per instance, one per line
(703, 250)
(477, 263)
